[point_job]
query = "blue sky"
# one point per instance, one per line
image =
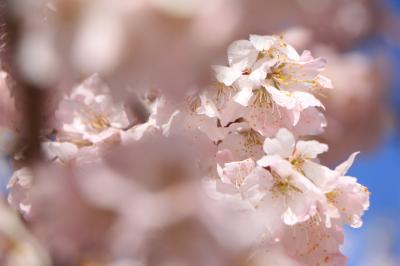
(380, 170)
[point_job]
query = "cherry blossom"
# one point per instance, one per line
(311, 243)
(301, 155)
(347, 196)
(19, 185)
(291, 197)
(90, 111)
(230, 175)
(274, 71)
(244, 180)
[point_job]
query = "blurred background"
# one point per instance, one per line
(169, 46)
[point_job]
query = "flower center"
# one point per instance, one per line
(283, 185)
(251, 138)
(297, 162)
(331, 196)
(99, 122)
(193, 103)
(277, 76)
(262, 98)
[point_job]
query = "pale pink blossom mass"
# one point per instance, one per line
(230, 177)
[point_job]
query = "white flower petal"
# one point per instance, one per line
(227, 75)
(345, 166)
(320, 175)
(305, 100)
(207, 107)
(289, 217)
(245, 93)
(240, 51)
(324, 82)
(262, 43)
(281, 98)
(310, 149)
(289, 52)
(282, 144)
(65, 151)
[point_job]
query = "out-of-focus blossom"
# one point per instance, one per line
(71, 238)
(359, 102)
(17, 246)
(19, 186)
(274, 256)
(164, 208)
(38, 61)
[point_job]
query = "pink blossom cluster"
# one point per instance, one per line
(266, 108)
(233, 171)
